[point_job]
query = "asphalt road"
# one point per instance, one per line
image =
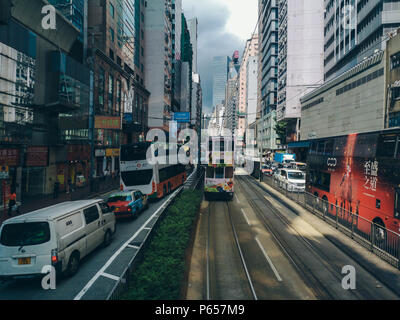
(69, 288)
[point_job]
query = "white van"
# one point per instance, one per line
(292, 180)
(60, 235)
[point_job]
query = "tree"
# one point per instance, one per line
(280, 129)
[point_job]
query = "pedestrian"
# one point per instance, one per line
(12, 202)
(69, 185)
(56, 189)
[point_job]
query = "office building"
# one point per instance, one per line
(158, 40)
(355, 30)
(220, 77)
(300, 54)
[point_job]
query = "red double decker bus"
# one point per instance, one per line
(358, 173)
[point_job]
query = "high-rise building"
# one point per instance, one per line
(268, 54)
(120, 99)
(251, 90)
(251, 51)
(220, 77)
(301, 53)
(44, 107)
(76, 12)
(187, 64)
(231, 101)
(354, 30)
(176, 8)
(158, 40)
(193, 30)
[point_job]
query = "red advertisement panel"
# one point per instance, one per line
(37, 156)
(9, 157)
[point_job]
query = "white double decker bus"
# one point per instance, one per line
(155, 180)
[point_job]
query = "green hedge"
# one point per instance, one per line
(160, 273)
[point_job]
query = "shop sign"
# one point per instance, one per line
(78, 152)
(9, 157)
(37, 156)
(112, 152)
(102, 122)
(4, 172)
(100, 152)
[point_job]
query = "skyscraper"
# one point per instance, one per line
(158, 40)
(268, 54)
(301, 52)
(192, 26)
(76, 12)
(355, 30)
(220, 77)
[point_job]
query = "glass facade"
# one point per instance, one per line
(220, 77)
(74, 11)
(73, 95)
(17, 82)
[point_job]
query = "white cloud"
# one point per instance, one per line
(243, 17)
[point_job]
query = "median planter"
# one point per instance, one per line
(160, 273)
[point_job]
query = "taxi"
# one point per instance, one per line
(128, 204)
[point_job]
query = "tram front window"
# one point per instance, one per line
(229, 172)
(210, 172)
(219, 173)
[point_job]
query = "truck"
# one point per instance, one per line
(284, 158)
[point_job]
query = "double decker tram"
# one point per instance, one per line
(219, 176)
(359, 174)
(155, 180)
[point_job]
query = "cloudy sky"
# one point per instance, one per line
(224, 26)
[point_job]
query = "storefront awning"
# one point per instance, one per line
(299, 144)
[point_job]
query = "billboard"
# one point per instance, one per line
(182, 117)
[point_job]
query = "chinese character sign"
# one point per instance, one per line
(370, 174)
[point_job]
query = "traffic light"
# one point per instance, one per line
(5, 11)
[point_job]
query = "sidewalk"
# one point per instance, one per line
(99, 189)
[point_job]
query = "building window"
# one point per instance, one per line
(396, 93)
(118, 96)
(101, 85)
(112, 34)
(112, 10)
(395, 61)
(110, 93)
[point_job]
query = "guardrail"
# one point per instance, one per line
(375, 237)
(123, 284)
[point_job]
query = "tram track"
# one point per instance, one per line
(220, 285)
(321, 289)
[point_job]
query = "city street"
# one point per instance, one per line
(69, 288)
(282, 256)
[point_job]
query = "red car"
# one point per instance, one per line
(127, 204)
(266, 170)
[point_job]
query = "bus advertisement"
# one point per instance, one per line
(358, 173)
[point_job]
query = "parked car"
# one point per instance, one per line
(298, 166)
(292, 180)
(59, 236)
(276, 175)
(128, 204)
(267, 170)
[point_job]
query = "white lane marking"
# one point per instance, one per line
(245, 216)
(269, 260)
(110, 276)
(237, 199)
(132, 246)
(147, 228)
(107, 264)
